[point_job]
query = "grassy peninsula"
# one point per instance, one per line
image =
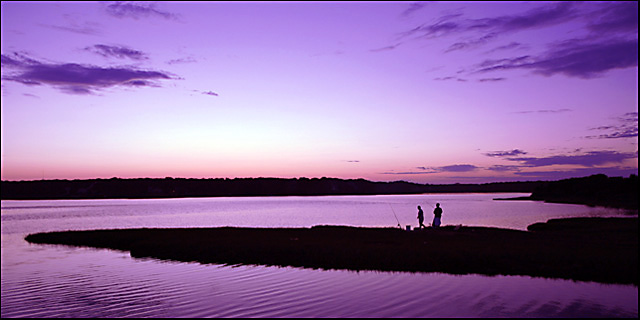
(588, 249)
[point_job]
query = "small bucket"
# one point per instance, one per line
(409, 228)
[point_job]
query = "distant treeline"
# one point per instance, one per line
(179, 187)
(596, 190)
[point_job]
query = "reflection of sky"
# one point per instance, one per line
(36, 278)
(425, 92)
(154, 288)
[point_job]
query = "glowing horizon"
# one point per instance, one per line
(424, 92)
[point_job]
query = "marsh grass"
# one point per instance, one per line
(588, 249)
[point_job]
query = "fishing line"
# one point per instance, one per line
(394, 214)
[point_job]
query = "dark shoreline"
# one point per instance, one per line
(146, 188)
(595, 190)
(586, 249)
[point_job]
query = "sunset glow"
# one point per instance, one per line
(428, 92)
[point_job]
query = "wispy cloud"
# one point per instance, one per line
(413, 7)
(450, 78)
(510, 153)
(589, 159)
(120, 52)
(473, 43)
(614, 17)
(137, 10)
(455, 23)
(627, 127)
(86, 28)
(30, 95)
(430, 170)
(612, 42)
(552, 14)
(182, 60)
(504, 168)
(573, 58)
(76, 78)
(210, 93)
(510, 46)
(551, 111)
(386, 48)
(491, 79)
(594, 162)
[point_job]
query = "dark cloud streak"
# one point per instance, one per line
(573, 58)
(612, 42)
(545, 111)
(514, 152)
(615, 17)
(137, 11)
(76, 78)
(590, 159)
(628, 128)
(416, 6)
(120, 52)
(541, 17)
(86, 29)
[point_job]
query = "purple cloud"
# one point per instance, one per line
(137, 10)
(614, 17)
(540, 17)
(491, 79)
(590, 159)
(181, 60)
(76, 78)
(430, 170)
(503, 168)
(387, 48)
(574, 58)
(628, 128)
(471, 43)
(450, 78)
(413, 8)
(514, 152)
(509, 46)
(611, 44)
(210, 93)
(545, 111)
(450, 168)
(119, 52)
(86, 29)
(458, 168)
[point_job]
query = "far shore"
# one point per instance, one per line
(587, 249)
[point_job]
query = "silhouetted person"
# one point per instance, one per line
(437, 214)
(421, 218)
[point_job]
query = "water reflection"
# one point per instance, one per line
(60, 281)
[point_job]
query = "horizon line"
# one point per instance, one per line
(297, 178)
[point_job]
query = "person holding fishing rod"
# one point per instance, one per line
(437, 215)
(421, 218)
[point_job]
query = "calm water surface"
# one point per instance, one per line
(59, 281)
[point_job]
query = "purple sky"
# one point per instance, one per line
(429, 92)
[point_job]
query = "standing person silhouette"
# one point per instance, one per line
(437, 215)
(420, 218)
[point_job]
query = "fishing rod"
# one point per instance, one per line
(394, 214)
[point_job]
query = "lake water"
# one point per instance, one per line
(60, 281)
